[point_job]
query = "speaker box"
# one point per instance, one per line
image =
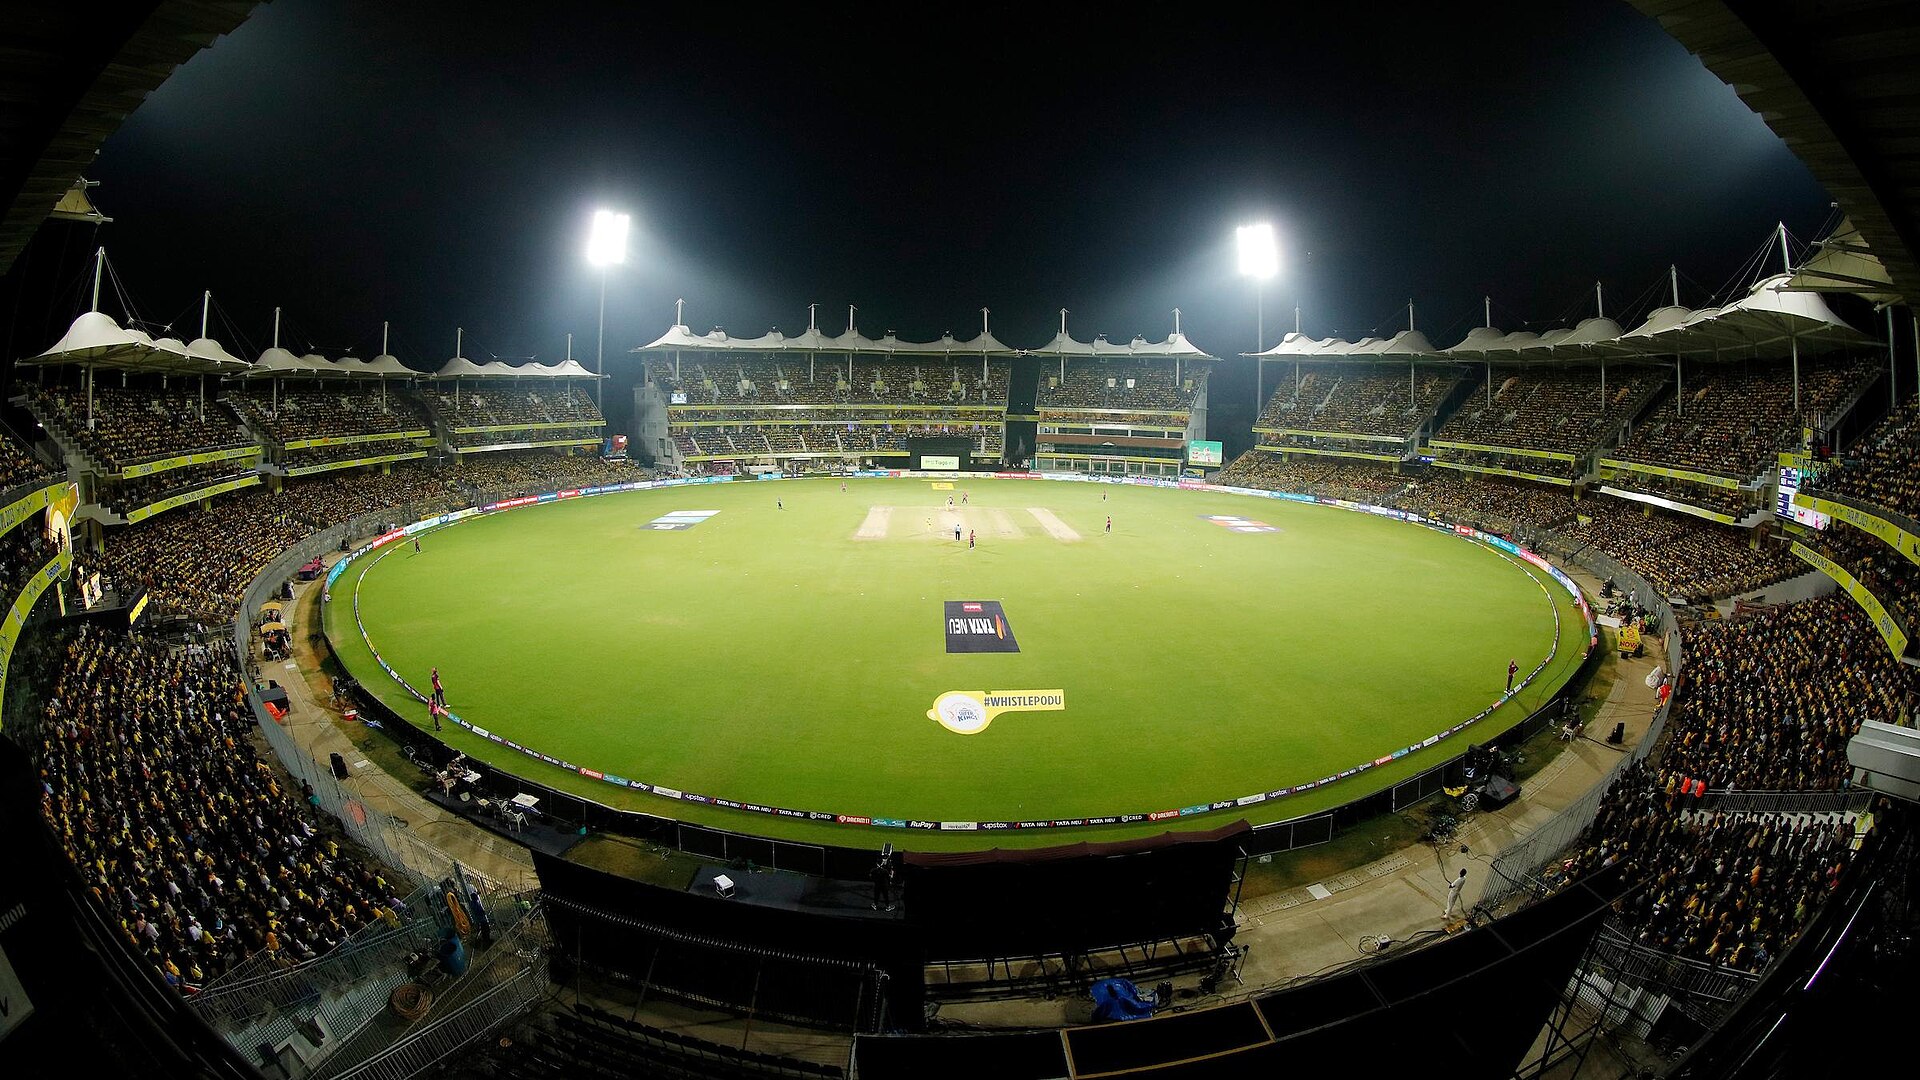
(339, 766)
(1499, 792)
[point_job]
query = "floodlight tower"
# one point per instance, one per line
(606, 249)
(1259, 260)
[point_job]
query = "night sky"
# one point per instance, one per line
(355, 162)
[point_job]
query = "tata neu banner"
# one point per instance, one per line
(978, 626)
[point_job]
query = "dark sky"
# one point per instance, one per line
(359, 161)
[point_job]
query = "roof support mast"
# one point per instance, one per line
(1786, 267)
(983, 349)
(206, 302)
(1600, 312)
(276, 379)
(1409, 359)
(1296, 363)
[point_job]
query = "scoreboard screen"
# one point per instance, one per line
(1790, 480)
(1203, 452)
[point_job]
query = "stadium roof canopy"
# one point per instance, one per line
(1845, 263)
(96, 340)
(462, 368)
(1773, 321)
(278, 363)
(1839, 82)
(680, 338)
(73, 73)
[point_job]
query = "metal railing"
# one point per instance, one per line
(439, 1040)
(509, 978)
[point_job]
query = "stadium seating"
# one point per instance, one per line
(1886, 573)
(1882, 469)
(774, 382)
(1357, 399)
(187, 838)
(18, 468)
(1102, 384)
(130, 494)
(1555, 409)
(332, 411)
(1722, 889)
(1731, 420)
(1682, 556)
(1335, 478)
(134, 426)
(502, 406)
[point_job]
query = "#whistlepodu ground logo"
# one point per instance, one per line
(978, 626)
(968, 712)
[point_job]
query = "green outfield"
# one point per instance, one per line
(791, 656)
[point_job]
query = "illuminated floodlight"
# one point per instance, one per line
(607, 243)
(1259, 252)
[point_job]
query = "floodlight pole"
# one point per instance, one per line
(600, 349)
(1259, 344)
(1296, 363)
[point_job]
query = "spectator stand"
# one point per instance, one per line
(157, 421)
(1367, 399)
(1128, 409)
(1543, 421)
(482, 408)
(777, 402)
(318, 415)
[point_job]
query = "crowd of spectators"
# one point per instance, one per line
(19, 468)
(1882, 469)
(529, 436)
(339, 455)
(1540, 408)
(124, 495)
(135, 425)
(1358, 399)
(335, 411)
(1770, 699)
(517, 404)
(187, 839)
(1724, 889)
(1334, 478)
(1890, 576)
(765, 440)
(199, 562)
(1732, 419)
(1508, 506)
(1125, 385)
(827, 382)
(1683, 557)
(1735, 503)
(24, 552)
(1522, 463)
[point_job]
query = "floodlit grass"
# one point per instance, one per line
(769, 656)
